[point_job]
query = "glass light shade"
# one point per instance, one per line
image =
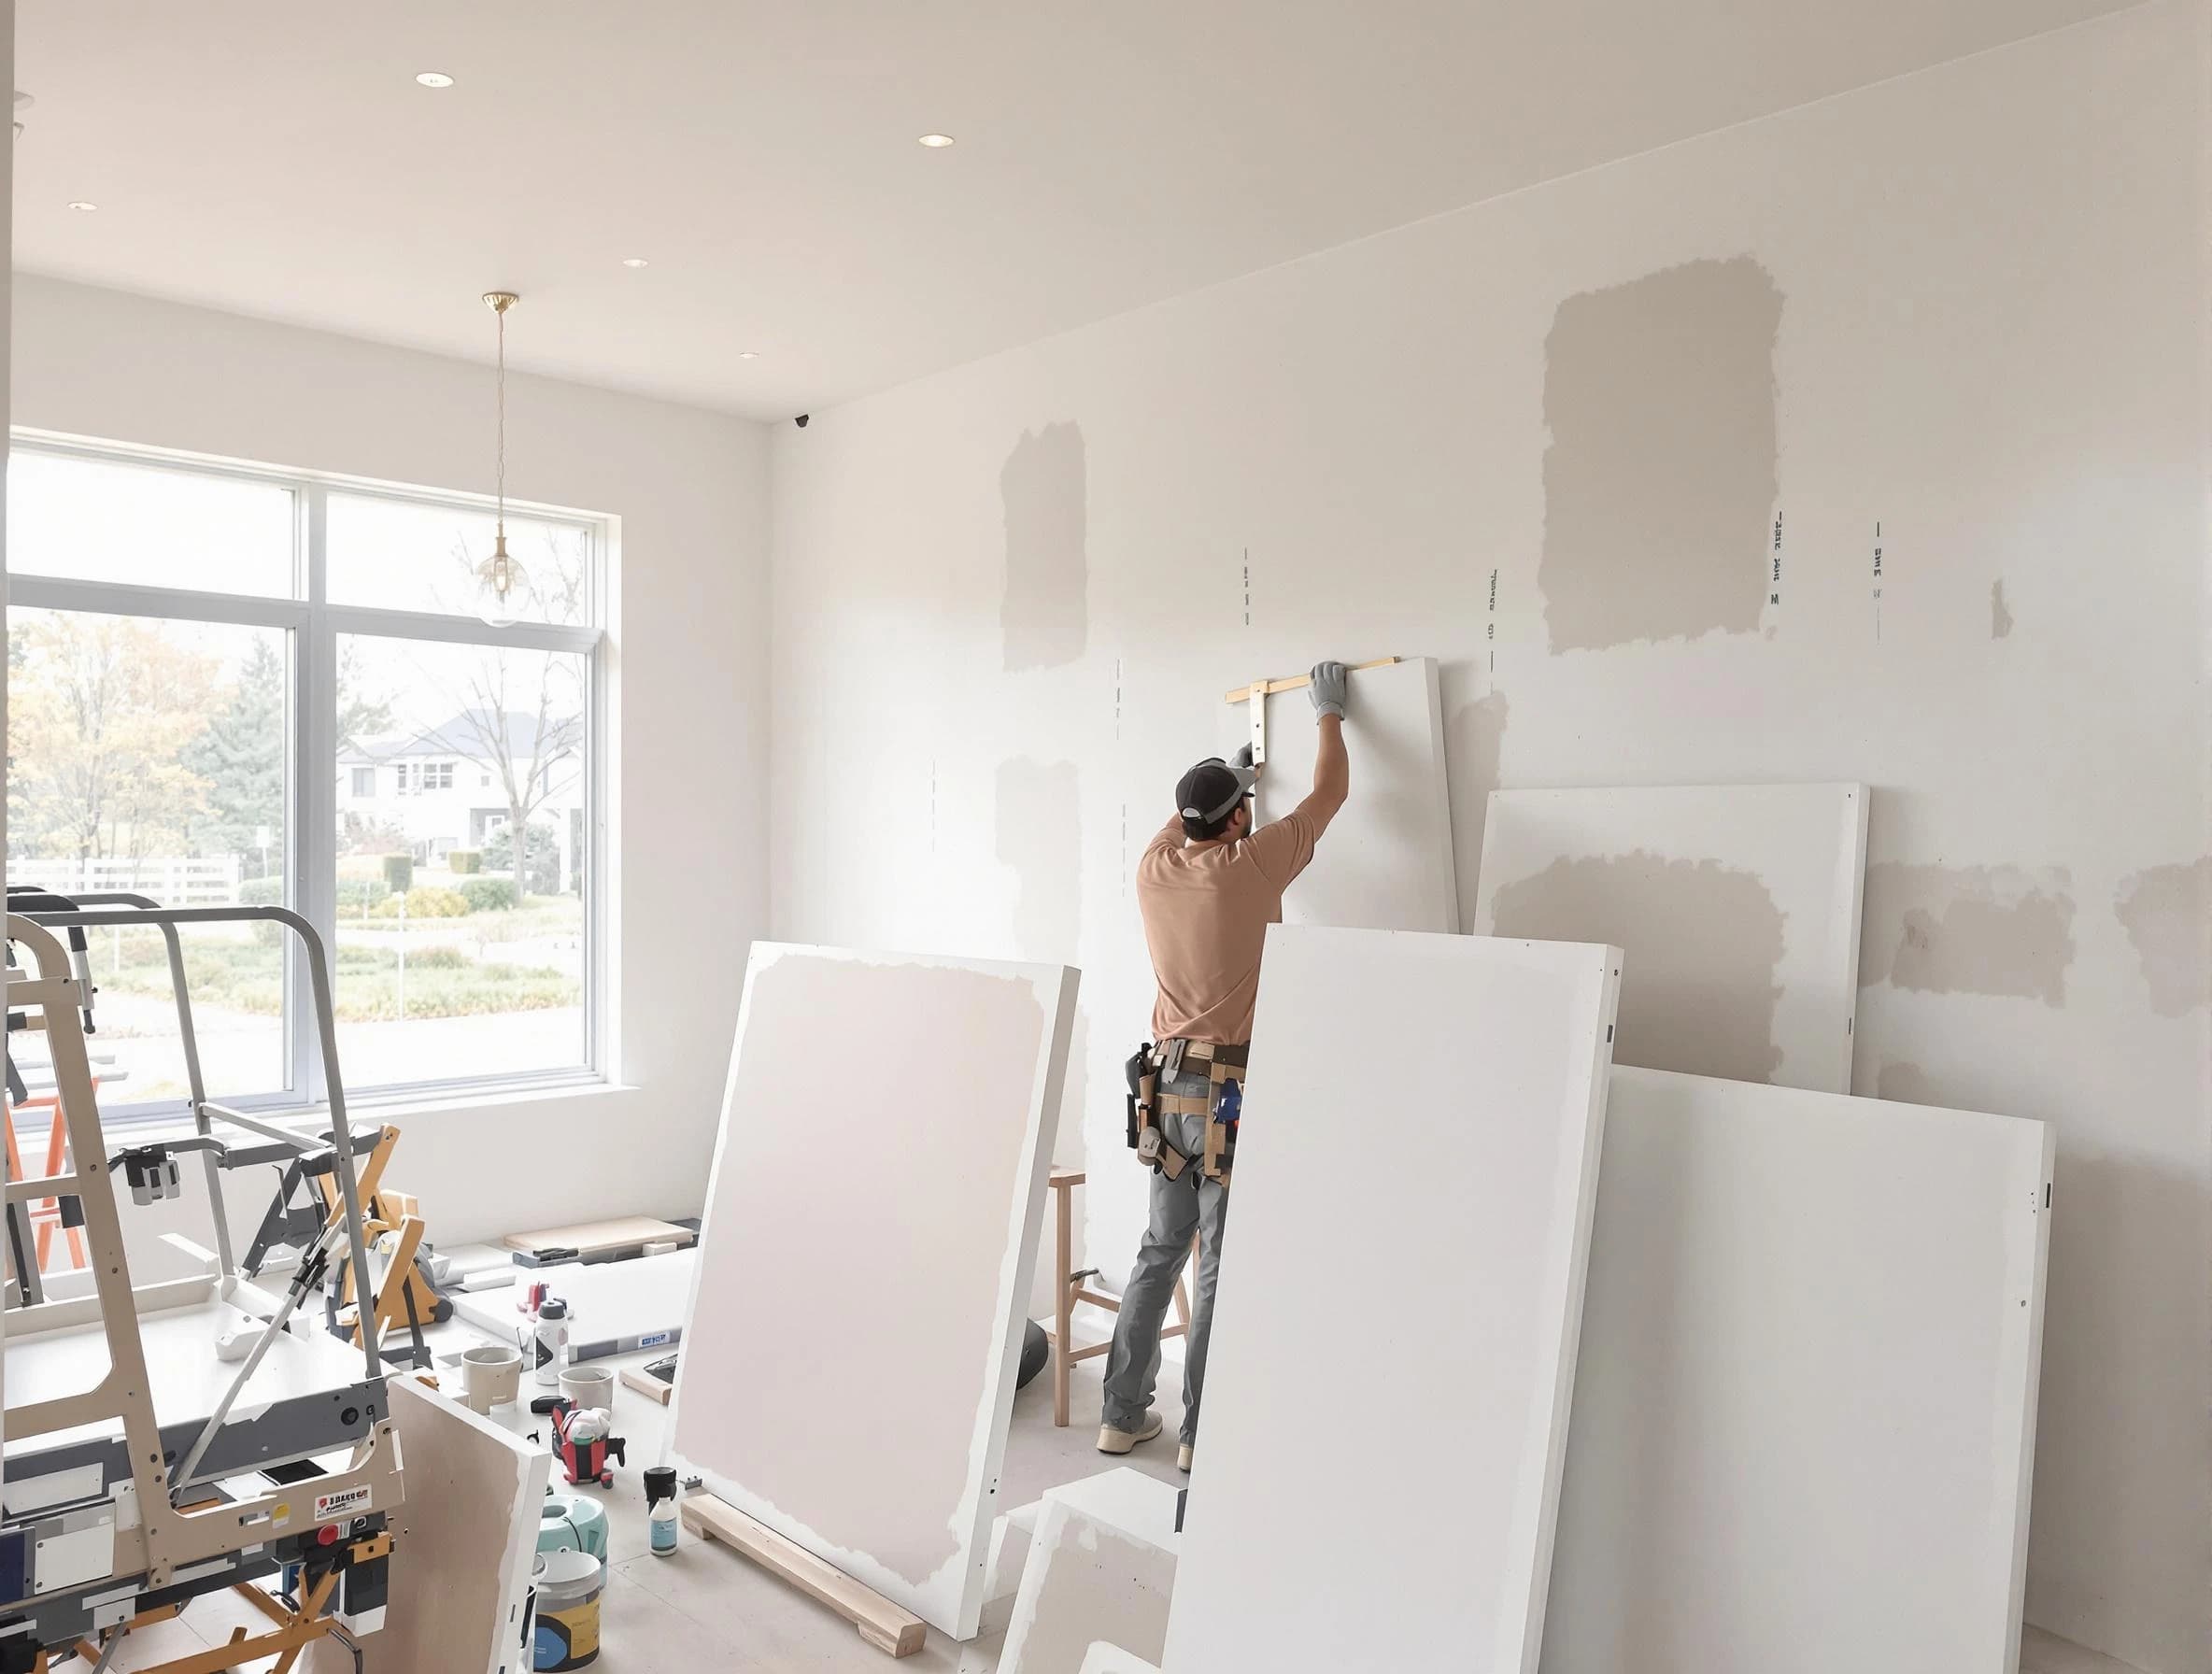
(502, 587)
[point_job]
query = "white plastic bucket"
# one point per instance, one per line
(567, 1633)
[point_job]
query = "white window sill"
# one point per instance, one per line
(374, 1111)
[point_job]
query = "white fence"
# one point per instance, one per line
(173, 880)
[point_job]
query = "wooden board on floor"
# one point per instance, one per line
(599, 1238)
(657, 1390)
(880, 1623)
(1387, 863)
(1805, 1416)
(1444, 1096)
(462, 1545)
(1735, 907)
(878, 1191)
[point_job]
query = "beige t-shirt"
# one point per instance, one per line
(1206, 908)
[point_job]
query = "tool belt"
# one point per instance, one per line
(1186, 1078)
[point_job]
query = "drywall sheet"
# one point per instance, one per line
(1386, 862)
(462, 1545)
(1101, 1565)
(1417, 1169)
(1736, 907)
(1804, 1416)
(877, 1189)
(615, 1307)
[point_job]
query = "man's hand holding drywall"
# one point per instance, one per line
(1328, 686)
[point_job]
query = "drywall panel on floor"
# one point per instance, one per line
(1103, 1563)
(1804, 1417)
(462, 1545)
(615, 1307)
(1415, 1174)
(1386, 861)
(878, 1185)
(1736, 907)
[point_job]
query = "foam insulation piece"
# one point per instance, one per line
(1386, 861)
(877, 1190)
(1805, 1416)
(1418, 1164)
(1736, 907)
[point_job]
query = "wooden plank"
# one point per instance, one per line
(936, 1083)
(647, 1384)
(1416, 1539)
(597, 1238)
(462, 1545)
(1243, 694)
(1736, 907)
(1805, 1413)
(1386, 862)
(882, 1624)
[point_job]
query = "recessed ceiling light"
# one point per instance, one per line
(936, 142)
(635, 261)
(748, 354)
(435, 79)
(81, 204)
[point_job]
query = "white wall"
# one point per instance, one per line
(687, 646)
(1991, 282)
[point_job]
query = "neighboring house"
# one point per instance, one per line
(444, 787)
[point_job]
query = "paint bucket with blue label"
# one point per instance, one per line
(567, 1633)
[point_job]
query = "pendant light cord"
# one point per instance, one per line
(503, 424)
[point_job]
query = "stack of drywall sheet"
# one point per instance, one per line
(1388, 862)
(1394, 1336)
(1101, 1565)
(615, 1307)
(849, 1357)
(1805, 1414)
(1736, 908)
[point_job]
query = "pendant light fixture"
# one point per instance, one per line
(502, 586)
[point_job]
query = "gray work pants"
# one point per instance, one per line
(1179, 1208)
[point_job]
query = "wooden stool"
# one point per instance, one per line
(1070, 1289)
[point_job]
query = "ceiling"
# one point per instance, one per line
(278, 159)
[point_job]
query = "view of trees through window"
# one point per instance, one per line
(152, 751)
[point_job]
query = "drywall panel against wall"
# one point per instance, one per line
(463, 1545)
(878, 1191)
(1386, 861)
(1804, 1412)
(1736, 907)
(1416, 1173)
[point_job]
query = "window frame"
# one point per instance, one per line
(312, 627)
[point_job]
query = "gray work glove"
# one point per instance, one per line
(1242, 758)
(1327, 689)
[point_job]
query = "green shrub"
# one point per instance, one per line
(362, 893)
(399, 872)
(541, 866)
(439, 958)
(261, 892)
(488, 894)
(461, 861)
(425, 900)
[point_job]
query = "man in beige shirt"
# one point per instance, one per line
(1208, 887)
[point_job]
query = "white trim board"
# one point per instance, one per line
(1386, 862)
(1804, 1417)
(1415, 1173)
(1736, 907)
(877, 1190)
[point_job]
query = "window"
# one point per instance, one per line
(229, 685)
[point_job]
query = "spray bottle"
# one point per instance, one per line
(548, 1341)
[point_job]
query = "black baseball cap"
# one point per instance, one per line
(1206, 794)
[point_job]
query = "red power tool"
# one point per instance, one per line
(583, 1446)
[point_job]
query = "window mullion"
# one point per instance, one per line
(315, 800)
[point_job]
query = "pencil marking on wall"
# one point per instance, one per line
(2000, 614)
(1041, 837)
(1044, 618)
(1968, 929)
(1718, 1018)
(1662, 475)
(2167, 913)
(1474, 743)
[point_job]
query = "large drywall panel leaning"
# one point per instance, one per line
(1804, 1416)
(1415, 1174)
(1386, 861)
(871, 1229)
(1736, 906)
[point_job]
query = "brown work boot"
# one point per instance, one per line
(1111, 1441)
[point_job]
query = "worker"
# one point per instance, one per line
(1208, 887)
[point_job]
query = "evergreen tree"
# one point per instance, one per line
(241, 758)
